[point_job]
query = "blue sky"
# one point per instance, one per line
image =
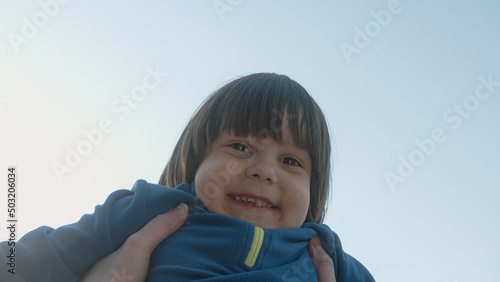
(410, 90)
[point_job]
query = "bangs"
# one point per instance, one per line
(262, 108)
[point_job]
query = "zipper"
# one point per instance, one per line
(258, 238)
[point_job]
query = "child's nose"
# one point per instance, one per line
(262, 169)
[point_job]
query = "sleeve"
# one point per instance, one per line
(63, 254)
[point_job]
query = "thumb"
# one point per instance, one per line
(161, 227)
(321, 260)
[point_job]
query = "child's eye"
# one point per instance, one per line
(290, 161)
(239, 147)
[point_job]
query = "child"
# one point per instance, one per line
(253, 165)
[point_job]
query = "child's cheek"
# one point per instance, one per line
(207, 192)
(211, 179)
(300, 205)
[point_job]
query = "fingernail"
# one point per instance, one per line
(181, 209)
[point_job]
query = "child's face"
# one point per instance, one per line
(256, 180)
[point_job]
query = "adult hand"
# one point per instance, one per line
(321, 260)
(131, 261)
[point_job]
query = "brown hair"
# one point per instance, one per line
(259, 105)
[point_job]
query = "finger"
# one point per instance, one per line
(160, 228)
(321, 260)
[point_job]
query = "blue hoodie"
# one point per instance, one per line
(209, 246)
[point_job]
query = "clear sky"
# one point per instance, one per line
(410, 89)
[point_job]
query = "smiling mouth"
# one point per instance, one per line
(252, 201)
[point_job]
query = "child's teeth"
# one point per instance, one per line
(251, 201)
